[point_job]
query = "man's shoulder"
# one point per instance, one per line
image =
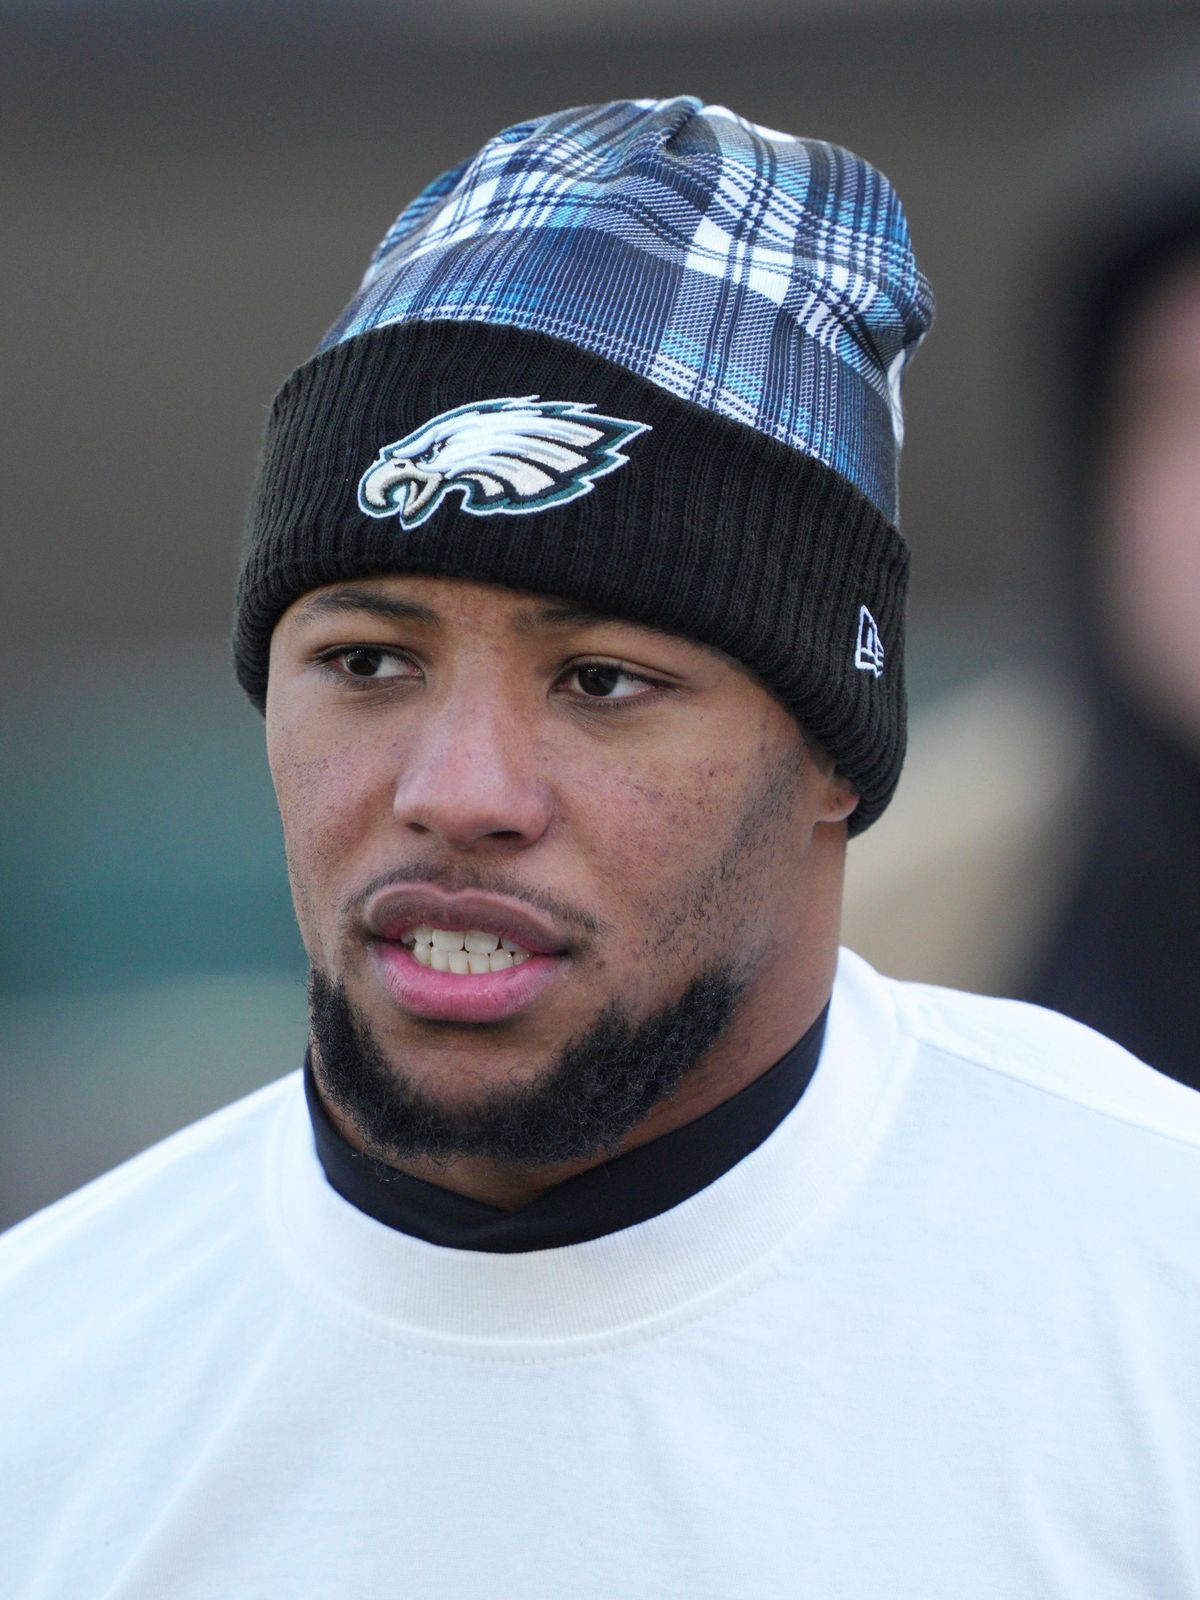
(1044, 1055)
(149, 1203)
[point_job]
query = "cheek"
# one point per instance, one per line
(686, 850)
(652, 816)
(325, 803)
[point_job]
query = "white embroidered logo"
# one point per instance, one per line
(868, 653)
(512, 456)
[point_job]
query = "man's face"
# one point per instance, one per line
(624, 811)
(1153, 500)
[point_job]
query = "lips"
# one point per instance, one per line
(396, 915)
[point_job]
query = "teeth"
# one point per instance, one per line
(477, 952)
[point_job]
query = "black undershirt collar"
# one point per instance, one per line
(618, 1194)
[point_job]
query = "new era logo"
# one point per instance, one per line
(868, 654)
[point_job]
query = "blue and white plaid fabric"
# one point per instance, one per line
(765, 277)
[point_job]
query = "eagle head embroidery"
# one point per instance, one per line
(513, 456)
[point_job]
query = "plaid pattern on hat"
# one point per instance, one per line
(767, 278)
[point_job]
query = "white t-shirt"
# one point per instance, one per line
(935, 1339)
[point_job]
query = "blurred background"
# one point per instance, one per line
(191, 194)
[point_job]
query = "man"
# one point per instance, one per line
(613, 1244)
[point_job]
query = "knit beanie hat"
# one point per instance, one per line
(644, 356)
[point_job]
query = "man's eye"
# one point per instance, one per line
(605, 681)
(363, 662)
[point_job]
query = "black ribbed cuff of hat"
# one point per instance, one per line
(709, 529)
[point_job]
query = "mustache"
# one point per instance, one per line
(458, 881)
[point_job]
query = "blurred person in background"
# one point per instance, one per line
(1123, 951)
(1046, 842)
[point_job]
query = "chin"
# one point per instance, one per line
(507, 1098)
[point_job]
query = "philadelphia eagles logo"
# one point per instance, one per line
(513, 456)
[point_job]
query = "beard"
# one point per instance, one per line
(601, 1084)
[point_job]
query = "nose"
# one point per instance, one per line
(472, 775)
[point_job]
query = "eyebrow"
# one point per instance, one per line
(564, 615)
(353, 599)
(560, 615)
(369, 602)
